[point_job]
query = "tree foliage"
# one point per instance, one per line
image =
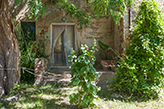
(113, 8)
(141, 72)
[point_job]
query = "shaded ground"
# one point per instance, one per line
(54, 93)
(47, 97)
(55, 96)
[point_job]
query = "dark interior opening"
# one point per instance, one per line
(28, 30)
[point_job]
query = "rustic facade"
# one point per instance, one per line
(60, 36)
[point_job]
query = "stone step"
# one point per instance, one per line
(105, 78)
(59, 69)
(64, 77)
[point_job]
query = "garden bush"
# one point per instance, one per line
(140, 71)
(30, 50)
(83, 73)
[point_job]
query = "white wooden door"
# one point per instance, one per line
(62, 42)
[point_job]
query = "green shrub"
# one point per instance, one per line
(83, 73)
(28, 61)
(29, 51)
(140, 71)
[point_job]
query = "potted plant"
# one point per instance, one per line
(107, 63)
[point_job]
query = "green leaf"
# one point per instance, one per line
(97, 76)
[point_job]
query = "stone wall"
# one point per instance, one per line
(103, 29)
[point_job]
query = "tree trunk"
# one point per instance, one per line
(9, 51)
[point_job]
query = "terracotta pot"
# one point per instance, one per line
(109, 65)
(105, 64)
(113, 65)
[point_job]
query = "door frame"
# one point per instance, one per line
(51, 33)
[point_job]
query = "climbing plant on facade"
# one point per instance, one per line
(140, 72)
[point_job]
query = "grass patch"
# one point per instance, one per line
(113, 100)
(55, 96)
(47, 96)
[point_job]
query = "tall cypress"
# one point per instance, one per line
(141, 71)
